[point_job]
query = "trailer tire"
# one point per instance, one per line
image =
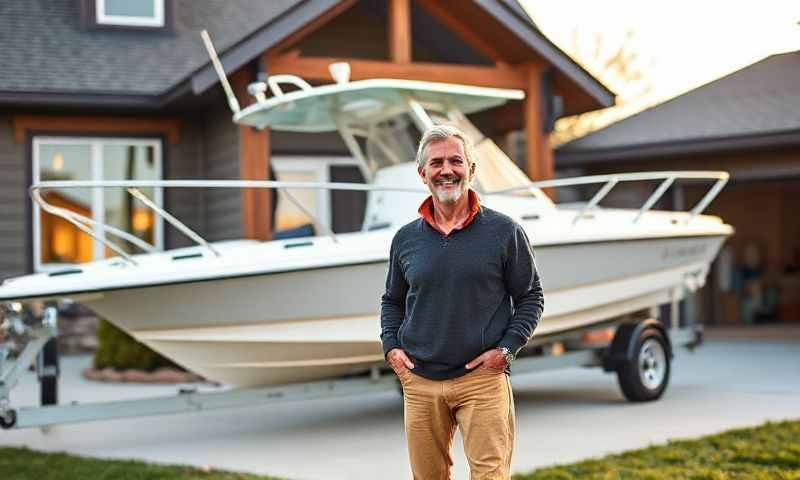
(10, 422)
(645, 376)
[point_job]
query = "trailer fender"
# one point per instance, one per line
(624, 343)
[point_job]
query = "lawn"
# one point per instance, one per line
(771, 451)
(26, 464)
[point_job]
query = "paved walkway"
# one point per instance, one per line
(562, 416)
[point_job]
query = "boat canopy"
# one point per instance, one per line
(326, 108)
(381, 120)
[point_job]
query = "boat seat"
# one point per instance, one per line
(306, 230)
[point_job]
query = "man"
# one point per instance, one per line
(462, 297)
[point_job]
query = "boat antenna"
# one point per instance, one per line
(234, 104)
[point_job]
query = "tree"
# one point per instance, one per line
(620, 67)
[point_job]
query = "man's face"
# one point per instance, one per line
(446, 172)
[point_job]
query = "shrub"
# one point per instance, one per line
(118, 350)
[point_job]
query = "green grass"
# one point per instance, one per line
(26, 464)
(771, 451)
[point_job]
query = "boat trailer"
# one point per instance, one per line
(640, 351)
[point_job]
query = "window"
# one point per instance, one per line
(56, 241)
(319, 202)
(137, 13)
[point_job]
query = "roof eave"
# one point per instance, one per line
(83, 99)
(584, 156)
(256, 44)
(552, 54)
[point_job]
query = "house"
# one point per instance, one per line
(748, 124)
(105, 90)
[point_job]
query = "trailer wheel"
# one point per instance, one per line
(8, 420)
(645, 376)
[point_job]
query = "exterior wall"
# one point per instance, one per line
(760, 202)
(290, 143)
(222, 215)
(208, 149)
(741, 165)
(13, 202)
(360, 33)
(185, 161)
(764, 216)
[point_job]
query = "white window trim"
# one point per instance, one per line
(126, 20)
(98, 214)
(320, 165)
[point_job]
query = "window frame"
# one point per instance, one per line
(158, 21)
(320, 165)
(95, 144)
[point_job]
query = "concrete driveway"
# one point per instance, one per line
(562, 416)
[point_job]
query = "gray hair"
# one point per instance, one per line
(437, 133)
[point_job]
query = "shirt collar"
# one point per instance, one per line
(426, 211)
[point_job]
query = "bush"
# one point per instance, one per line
(118, 350)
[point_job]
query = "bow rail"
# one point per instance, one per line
(611, 180)
(133, 187)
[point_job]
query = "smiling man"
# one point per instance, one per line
(462, 297)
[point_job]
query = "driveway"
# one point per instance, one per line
(562, 416)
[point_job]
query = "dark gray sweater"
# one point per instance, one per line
(450, 298)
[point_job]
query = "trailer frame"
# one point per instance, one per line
(538, 356)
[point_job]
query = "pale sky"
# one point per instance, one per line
(682, 43)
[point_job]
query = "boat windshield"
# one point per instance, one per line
(394, 140)
(390, 142)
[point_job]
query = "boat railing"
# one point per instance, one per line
(667, 178)
(133, 187)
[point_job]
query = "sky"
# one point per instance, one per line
(681, 44)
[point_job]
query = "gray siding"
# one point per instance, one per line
(13, 199)
(223, 207)
(185, 161)
(291, 143)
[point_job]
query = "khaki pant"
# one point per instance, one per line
(480, 403)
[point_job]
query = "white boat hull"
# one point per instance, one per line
(322, 323)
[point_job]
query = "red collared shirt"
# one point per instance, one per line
(426, 212)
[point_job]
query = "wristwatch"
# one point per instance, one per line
(507, 354)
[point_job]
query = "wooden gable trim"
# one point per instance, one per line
(453, 23)
(399, 30)
(168, 127)
(309, 28)
(316, 69)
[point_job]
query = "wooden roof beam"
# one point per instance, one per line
(316, 69)
(399, 30)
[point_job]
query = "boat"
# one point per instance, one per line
(252, 313)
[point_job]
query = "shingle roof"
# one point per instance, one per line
(47, 57)
(759, 100)
(44, 48)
